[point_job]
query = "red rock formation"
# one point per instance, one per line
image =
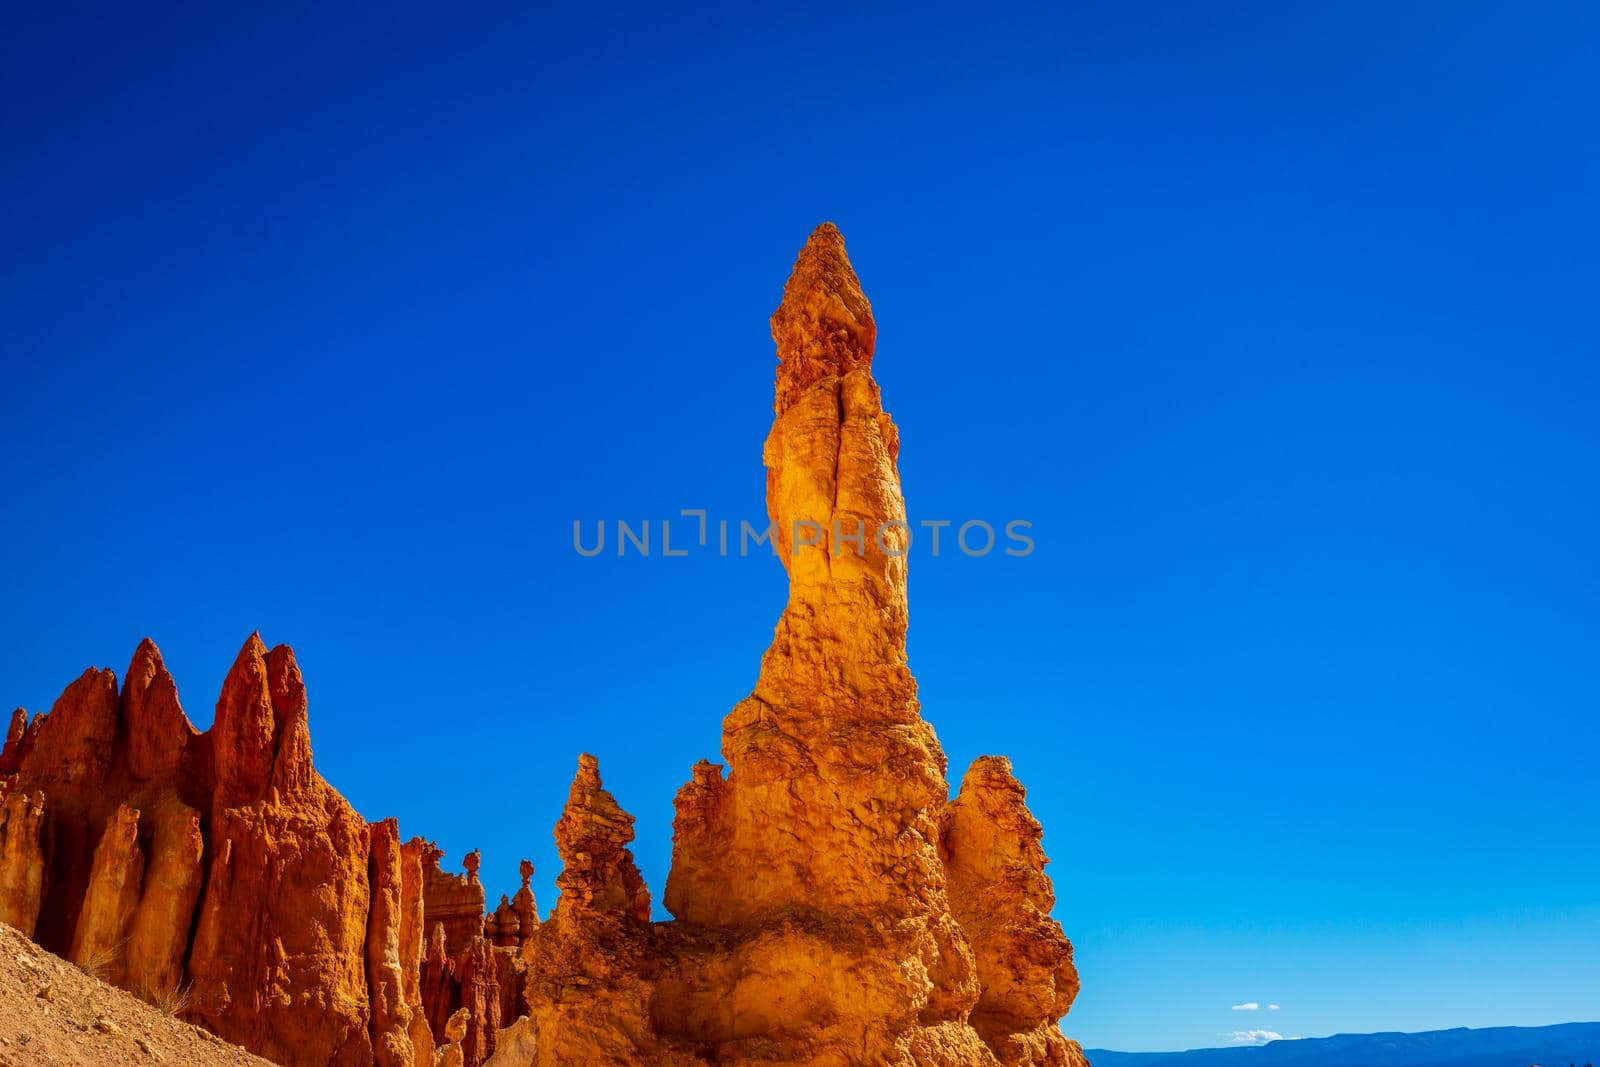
(454, 901)
(454, 1030)
(516, 918)
(135, 802)
(278, 962)
(807, 883)
(157, 734)
(400, 1033)
(993, 853)
(93, 753)
(472, 967)
(10, 754)
(66, 754)
(589, 977)
(172, 872)
(436, 981)
(478, 977)
(502, 927)
(21, 856)
(524, 905)
(105, 924)
(831, 907)
(411, 934)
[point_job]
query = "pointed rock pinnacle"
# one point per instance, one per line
(823, 327)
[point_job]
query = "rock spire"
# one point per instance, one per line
(832, 907)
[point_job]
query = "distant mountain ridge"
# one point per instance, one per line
(1499, 1046)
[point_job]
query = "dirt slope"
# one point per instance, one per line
(53, 1013)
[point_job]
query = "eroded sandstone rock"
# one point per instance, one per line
(454, 1030)
(999, 893)
(138, 805)
(589, 971)
(394, 950)
(21, 857)
(11, 753)
(480, 974)
(99, 943)
(278, 963)
(159, 938)
(454, 901)
(831, 907)
(66, 754)
(811, 904)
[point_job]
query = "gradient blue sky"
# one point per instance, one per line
(1276, 320)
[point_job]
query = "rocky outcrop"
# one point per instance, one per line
(162, 858)
(517, 918)
(999, 893)
(453, 901)
(589, 981)
(455, 1029)
(21, 856)
(162, 922)
(278, 962)
(812, 912)
(157, 735)
(472, 967)
(435, 981)
(526, 908)
(831, 906)
(401, 1036)
(99, 943)
(11, 752)
(517, 1046)
(66, 754)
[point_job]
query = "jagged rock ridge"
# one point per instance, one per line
(830, 906)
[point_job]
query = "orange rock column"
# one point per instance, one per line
(1000, 894)
(806, 881)
(99, 945)
(21, 857)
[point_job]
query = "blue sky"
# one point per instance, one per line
(1276, 321)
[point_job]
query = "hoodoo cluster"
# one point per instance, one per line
(831, 905)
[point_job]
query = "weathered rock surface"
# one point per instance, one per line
(170, 890)
(999, 893)
(832, 906)
(21, 857)
(472, 968)
(454, 901)
(401, 1036)
(589, 985)
(214, 868)
(99, 944)
(278, 961)
(814, 924)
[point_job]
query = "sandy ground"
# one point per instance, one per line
(53, 1013)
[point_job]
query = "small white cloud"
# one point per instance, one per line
(1252, 1037)
(1272, 1007)
(1249, 1005)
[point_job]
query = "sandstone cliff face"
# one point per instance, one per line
(401, 1036)
(831, 907)
(278, 961)
(106, 923)
(162, 858)
(21, 857)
